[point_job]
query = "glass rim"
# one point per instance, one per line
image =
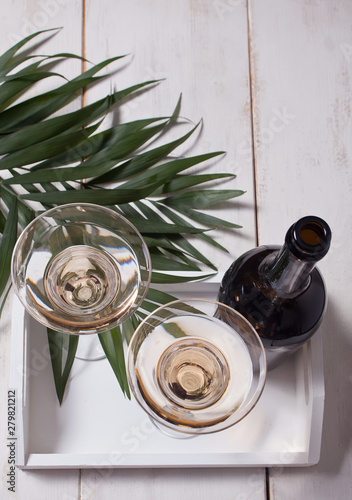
(199, 299)
(56, 210)
(212, 429)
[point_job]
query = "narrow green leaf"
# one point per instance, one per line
(61, 345)
(201, 198)
(21, 59)
(174, 330)
(177, 241)
(185, 257)
(163, 174)
(209, 220)
(160, 241)
(97, 67)
(164, 263)
(40, 107)
(130, 212)
(94, 144)
(28, 70)
(87, 147)
(175, 218)
(71, 353)
(162, 278)
(208, 239)
(39, 132)
(2, 222)
(18, 60)
(17, 85)
(7, 243)
(147, 307)
(181, 182)
(3, 300)
(8, 55)
(44, 149)
(123, 141)
(25, 213)
(112, 344)
(155, 218)
(128, 327)
(100, 197)
(142, 161)
(132, 136)
(164, 313)
(103, 197)
(151, 214)
(62, 55)
(186, 246)
(162, 228)
(159, 296)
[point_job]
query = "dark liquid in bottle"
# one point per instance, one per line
(279, 321)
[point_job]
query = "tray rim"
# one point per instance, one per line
(313, 353)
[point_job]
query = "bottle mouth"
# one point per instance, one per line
(309, 238)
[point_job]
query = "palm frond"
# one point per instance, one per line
(68, 158)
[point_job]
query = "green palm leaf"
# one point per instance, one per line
(208, 220)
(61, 345)
(17, 85)
(182, 182)
(139, 163)
(40, 107)
(112, 344)
(64, 159)
(163, 174)
(128, 136)
(44, 149)
(7, 62)
(202, 198)
(161, 262)
(162, 278)
(8, 241)
(39, 132)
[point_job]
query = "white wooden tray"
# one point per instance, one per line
(97, 427)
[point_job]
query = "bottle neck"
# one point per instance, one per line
(285, 273)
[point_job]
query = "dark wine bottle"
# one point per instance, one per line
(279, 290)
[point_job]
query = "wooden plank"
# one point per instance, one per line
(201, 48)
(20, 19)
(173, 484)
(201, 53)
(301, 55)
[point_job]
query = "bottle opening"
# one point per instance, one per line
(309, 238)
(312, 234)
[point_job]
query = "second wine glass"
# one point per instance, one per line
(81, 268)
(196, 366)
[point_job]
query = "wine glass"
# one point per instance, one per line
(81, 268)
(196, 366)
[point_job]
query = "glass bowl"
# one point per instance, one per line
(81, 268)
(196, 366)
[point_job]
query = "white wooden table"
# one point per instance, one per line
(272, 81)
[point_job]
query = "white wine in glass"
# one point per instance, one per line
(81, 268)
(196, 366)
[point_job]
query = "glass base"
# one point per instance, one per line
(170, 432)
(89, 348)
